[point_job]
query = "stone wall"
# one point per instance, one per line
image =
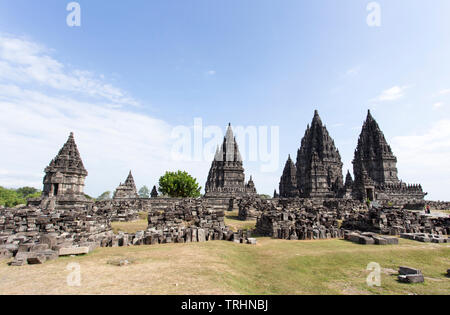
(124, 210)
(252, 207)
(121, 210)
(438, 205)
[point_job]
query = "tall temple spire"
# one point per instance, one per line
(226, 176)
(319, 165)
(375, 167)
(288, 182)
(374, 155)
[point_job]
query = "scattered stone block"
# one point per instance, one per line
(73, 251)
(37, 259)
(410, 275)
(251, 241)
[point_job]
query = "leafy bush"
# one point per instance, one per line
(13, 197)
(179, 185)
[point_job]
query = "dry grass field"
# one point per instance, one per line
(219, 267)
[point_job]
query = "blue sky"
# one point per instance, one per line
(143, 67)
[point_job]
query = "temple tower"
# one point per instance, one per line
(374, 163)
(126, 190)
(375, 168)
(226, 177)
(319, 165)
(65, 174)
(288, 181)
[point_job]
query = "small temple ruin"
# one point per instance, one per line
(64, 179)
(127, 189)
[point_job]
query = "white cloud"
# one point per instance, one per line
(438, 105)
(26, 62)
(211, 72)
(444, 92)
(423, 158)
(392, 94)
(353, 71)
(38, 109)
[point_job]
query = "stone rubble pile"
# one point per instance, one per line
(307, 224)
(121, 210)
(250, 208)
(394, 221)
(32, 235)
(187, 221)
(438, 205)
(300, 219)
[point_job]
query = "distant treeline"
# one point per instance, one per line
(13, 197)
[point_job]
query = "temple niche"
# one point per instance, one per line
(319, 165)
(226, 177)
(127, 190)
(375, 168)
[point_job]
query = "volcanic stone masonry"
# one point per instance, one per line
(226, 177)
(64, 222)
(64, 180)
(126, 190)
(318, 172)
(375, 169)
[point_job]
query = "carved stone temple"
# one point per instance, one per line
(375, 168)
(126, 190)
(64, 179)
(318, 171)
(226, 177)
(288, 182)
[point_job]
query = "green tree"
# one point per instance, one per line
(10, 198)
(105, 196)
(179, 184)
(27, 191)
(144, 192)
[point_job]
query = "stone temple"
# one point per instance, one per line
(226, 177)
(318, 168)
(288, 182)
(64, 178)
(126, 190)
(318, 171)
(375, 168)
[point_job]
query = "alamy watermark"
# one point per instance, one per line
(74, 17)
(374, 277)
(200, 143)
(74, 277)
(374, 17)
